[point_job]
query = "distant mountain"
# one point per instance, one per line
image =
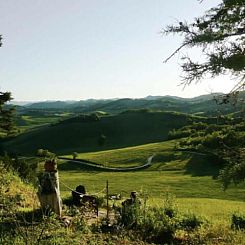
(200, 104)
(21, 103)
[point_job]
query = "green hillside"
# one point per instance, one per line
(166, 157)
(82, 135)
(185, 174)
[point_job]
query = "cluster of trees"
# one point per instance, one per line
(45, 153)
(227, 142)
(93, 117)
(220, 34)
(211, 136)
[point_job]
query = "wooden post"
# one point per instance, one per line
(49, 190)
(107, 202)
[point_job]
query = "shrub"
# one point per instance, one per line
(238, 221)
(158, 227)
(191, 222)
(25, 170)
(130, 215)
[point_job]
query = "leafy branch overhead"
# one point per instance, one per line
(220, 34)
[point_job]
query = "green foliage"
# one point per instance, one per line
(191, 221)
(238, 221)
(45, 153)
(74, 155)
(8, 203)
(225, 141)
(234, 170)
(159, 224)
(220, 35)
(158, 227)
(6, 114)
(25, 170)
(130, 215)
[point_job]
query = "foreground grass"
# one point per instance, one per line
(189, 176)
(156, 183)
(216, 210)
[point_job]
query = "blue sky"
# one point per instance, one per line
(77, 49)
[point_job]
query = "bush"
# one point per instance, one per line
(238, 221)
(191, 222)
(130, 215)
(158, 227)
(25, 170)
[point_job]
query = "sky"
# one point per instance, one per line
(81, 49)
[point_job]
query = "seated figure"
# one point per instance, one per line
(78, 194)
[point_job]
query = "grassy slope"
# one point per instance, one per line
(126, 129)
(33, 119)
(128, 156)
(215, 210)
(13, 187)
(188, 176)
(185, 174)
(156, 183)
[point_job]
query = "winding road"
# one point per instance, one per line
(94, 165)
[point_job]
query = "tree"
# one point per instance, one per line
(234, 171)
(6, 114)
(220, 34)
(74, 155)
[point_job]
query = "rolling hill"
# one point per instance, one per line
(202, 104)
(129, 128)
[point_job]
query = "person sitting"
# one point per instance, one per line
(78, 194)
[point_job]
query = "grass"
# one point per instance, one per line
(165, 158)
(217, 210)
(14, 189)
(200, 195)
(128, 156)
(156, 183)
(187, 175)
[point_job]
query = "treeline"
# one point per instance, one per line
(201, 136)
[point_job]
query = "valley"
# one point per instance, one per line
(115, 145)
